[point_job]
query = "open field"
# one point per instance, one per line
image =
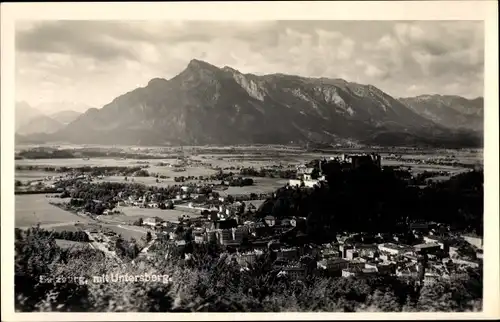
(33, 209)
(190, 171)
(92, 162)
(127, 232)
(27, 175)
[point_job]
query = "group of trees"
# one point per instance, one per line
(92, 170)
(186, 178)
(48, 153)
(78, 236)
(269, 173)
(85, 194)
(126, 248)
(240, 182)
(141, 173)
(45, 154)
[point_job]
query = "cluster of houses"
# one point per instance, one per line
(429, 253)
(427, 257)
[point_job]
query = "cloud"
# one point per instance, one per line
(95, 61)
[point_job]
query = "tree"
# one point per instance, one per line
(432, 299)
(315, 173)
(188, 235)
(384, 301)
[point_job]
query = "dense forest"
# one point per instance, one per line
(48, 278)
(369, 199)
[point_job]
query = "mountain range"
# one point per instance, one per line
(205, 104)
(451, 111)
(30, 120)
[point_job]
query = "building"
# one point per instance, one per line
(287, 254)
(411, 257)
(225, 236)
(392, 249)
(331, 253)
(430, 278)
(349, 272)
(231, 236)
(332, 265)
(436, 240)
(199, 238)
(248, 258)
(466, 262)
(239, 233)
(453, 251)
(357, 264)
(351, 254)
(386, 268)
(409, 271)
(427, 248)
(479, 254)
(358, 271)
(305, 177)
(211, 236)
(343, 248)
(367, 250)
(297, 271)
(152, 221)
(270, 220)
(473, 240)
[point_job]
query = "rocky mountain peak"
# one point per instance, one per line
(196, 64)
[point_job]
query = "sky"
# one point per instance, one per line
(91, 62)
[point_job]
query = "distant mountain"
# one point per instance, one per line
(65, 117)
(25, 113)
(54, 107)
(30, 120)
(451, 111)
(40, 124)
(205, 104)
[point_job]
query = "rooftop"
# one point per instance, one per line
(426, 245)
(394, 246)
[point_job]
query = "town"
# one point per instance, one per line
(421, 250)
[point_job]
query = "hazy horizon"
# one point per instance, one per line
(92, 62)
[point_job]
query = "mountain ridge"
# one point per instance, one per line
(205, 104)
